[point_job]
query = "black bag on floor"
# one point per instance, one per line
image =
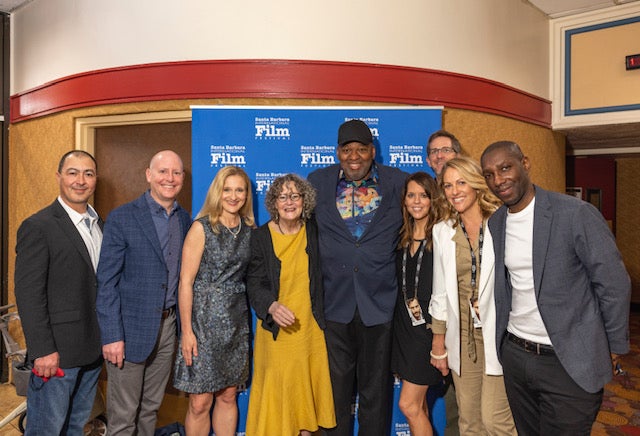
(175, 429)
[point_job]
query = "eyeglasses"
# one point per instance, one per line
(282, 198)
(443, 150)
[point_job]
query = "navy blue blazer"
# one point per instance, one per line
(55, 287)
(263, 276)
(359, 273)
(582, 287)
(133, 278)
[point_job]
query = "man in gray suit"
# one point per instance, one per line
(562, 299)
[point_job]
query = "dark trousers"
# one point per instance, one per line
(360, 354)
(544, 399)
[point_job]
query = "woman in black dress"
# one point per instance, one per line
(412, 336)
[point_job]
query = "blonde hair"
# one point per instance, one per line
(426, 182)
(471, 172)
(212, 206)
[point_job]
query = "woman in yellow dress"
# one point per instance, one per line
(291, 390)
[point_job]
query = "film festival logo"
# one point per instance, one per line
(317, 155)
(272, 128)
(224, 155)
(406, 155)
(372, 122)
(264, 181)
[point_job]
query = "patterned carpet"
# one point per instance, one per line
(620, 411)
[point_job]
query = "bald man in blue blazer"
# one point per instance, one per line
(137, 294)
(562, 299)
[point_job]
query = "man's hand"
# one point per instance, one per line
(47, 366)
(615, 364)
(114, 353)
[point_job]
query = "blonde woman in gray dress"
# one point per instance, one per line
(213, 356)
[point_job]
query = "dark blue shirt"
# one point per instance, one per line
(169, 234)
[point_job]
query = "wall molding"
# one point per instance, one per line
(559, 28)
(85, 127)
(279, 79)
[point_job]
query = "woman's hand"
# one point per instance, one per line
(189, 347)
(441, 365)
(281, 314)
(438, 349)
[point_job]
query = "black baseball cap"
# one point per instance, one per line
(354, 131)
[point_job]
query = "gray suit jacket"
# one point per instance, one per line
(582, 287)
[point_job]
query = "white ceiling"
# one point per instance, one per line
(552, 8)
(562, 8)
(11, 5)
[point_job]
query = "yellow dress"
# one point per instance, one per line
(291, 388)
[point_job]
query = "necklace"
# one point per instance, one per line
(237, 232)
(280, 228)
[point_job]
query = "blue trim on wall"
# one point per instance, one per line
(567, 71)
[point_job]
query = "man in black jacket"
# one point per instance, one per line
(55, 285)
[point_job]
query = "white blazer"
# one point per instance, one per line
(445, 305)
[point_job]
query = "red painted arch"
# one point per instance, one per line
(279, 79)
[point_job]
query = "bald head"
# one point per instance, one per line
(163, 156)
(509, 147)
(506, 170)
(165, 176)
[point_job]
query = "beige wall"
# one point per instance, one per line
(598, 74)
(546, 149)
(598, 77)
(628, 219)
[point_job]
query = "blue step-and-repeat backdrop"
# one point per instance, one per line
(269, 141)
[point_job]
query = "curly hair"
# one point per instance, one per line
(212, 206)
(471, 172)
(426, 182)
(304, 188)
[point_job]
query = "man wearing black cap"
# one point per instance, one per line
(359, 218)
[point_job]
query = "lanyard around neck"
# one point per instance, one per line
(474, 265)
(421, 249)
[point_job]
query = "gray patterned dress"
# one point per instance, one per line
(220, 314)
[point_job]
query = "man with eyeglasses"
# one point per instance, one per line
(442, 146)
(359, 219)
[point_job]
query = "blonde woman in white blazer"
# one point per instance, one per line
(462, 304)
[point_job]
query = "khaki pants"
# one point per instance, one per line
(482, 400)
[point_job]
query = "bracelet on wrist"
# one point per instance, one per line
(436, 357)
